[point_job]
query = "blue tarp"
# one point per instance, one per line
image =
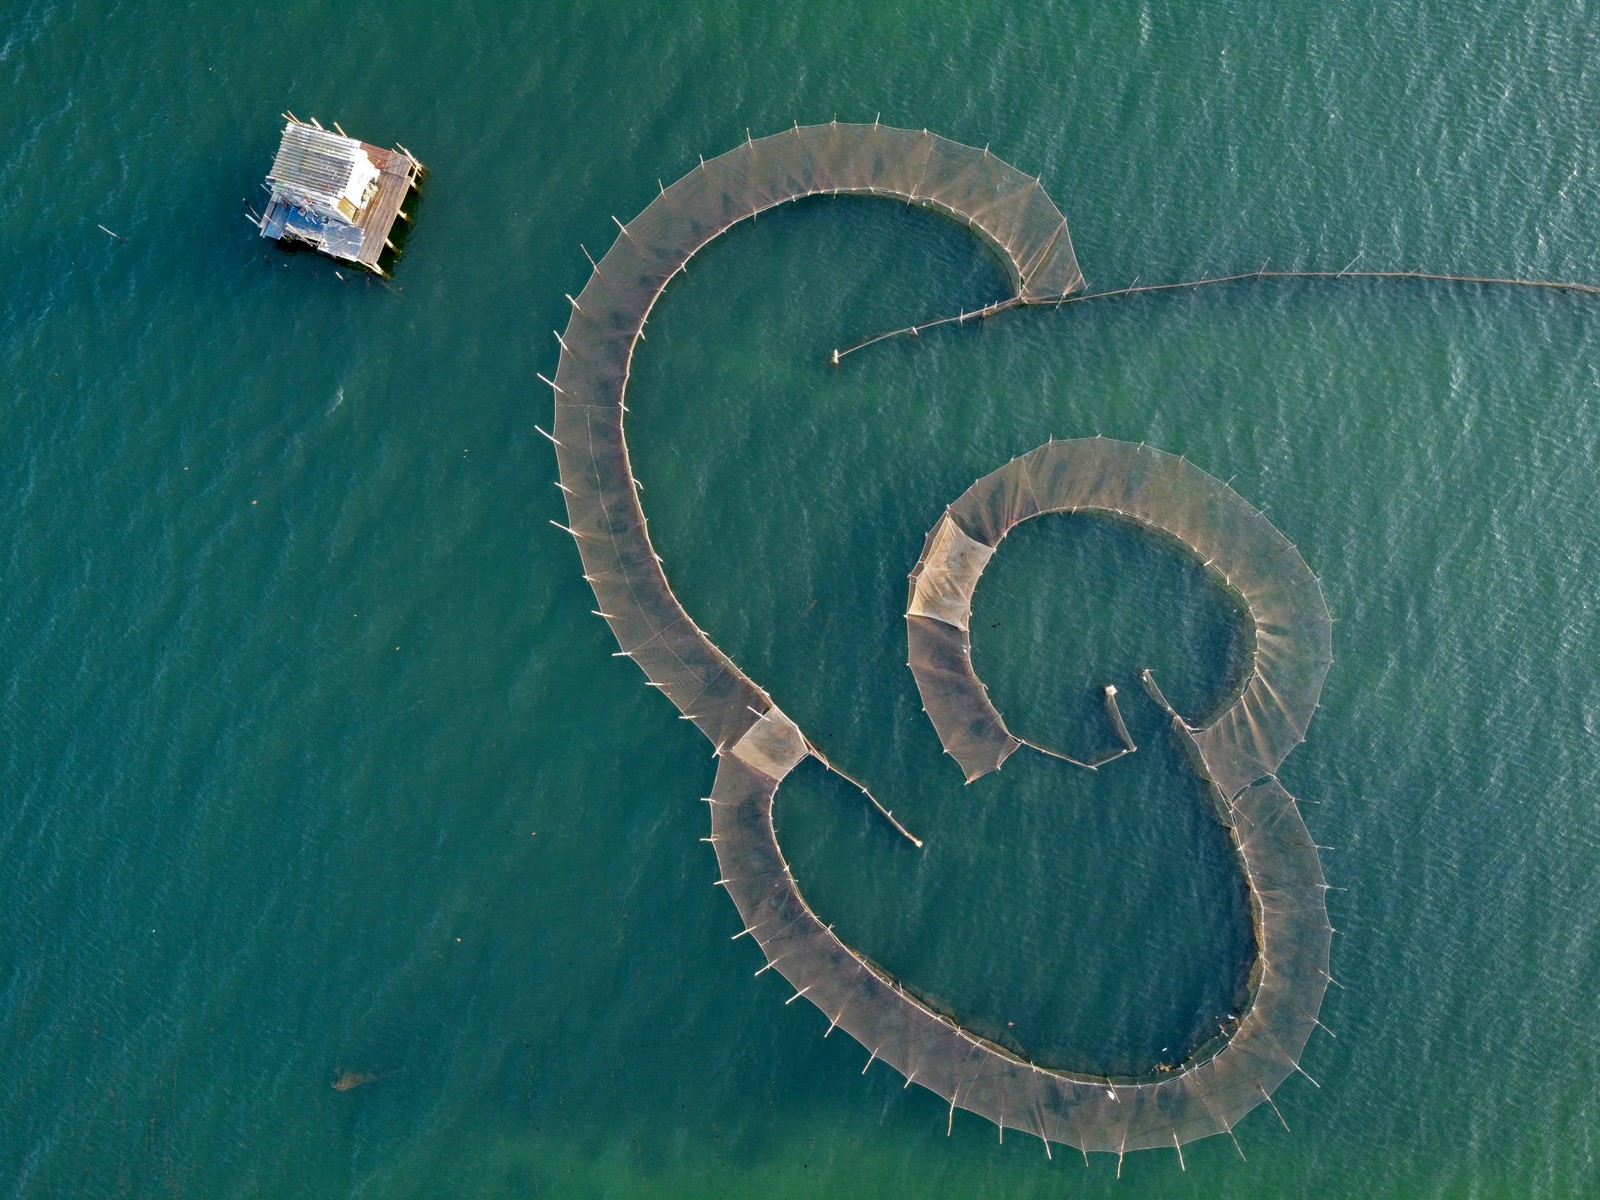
(333, 237)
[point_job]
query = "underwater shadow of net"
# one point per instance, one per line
(1236, 750)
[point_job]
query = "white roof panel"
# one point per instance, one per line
(315, 162)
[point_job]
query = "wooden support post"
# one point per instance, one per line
(1268, 1099)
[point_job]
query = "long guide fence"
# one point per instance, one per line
(758, 745)
(1189, 285)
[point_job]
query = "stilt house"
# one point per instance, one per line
(336, 195)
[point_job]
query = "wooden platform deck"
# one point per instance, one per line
(399, 175)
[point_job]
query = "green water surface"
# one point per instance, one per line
(313, 759)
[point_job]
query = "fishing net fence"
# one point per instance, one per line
(757, 745)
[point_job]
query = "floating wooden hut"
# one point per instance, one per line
(336, 195)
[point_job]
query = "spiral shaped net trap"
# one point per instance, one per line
(1237, 751)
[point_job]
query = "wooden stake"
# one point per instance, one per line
(1268, 1099)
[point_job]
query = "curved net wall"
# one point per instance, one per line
(1255, 728)
(1009, 209)
(1093, 1113)
(758, 745)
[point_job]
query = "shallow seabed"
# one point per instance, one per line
(316, 761)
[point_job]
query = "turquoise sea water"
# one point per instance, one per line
(313, 759)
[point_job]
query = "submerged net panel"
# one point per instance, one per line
(955, 698)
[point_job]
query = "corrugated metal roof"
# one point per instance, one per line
(314, 161)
